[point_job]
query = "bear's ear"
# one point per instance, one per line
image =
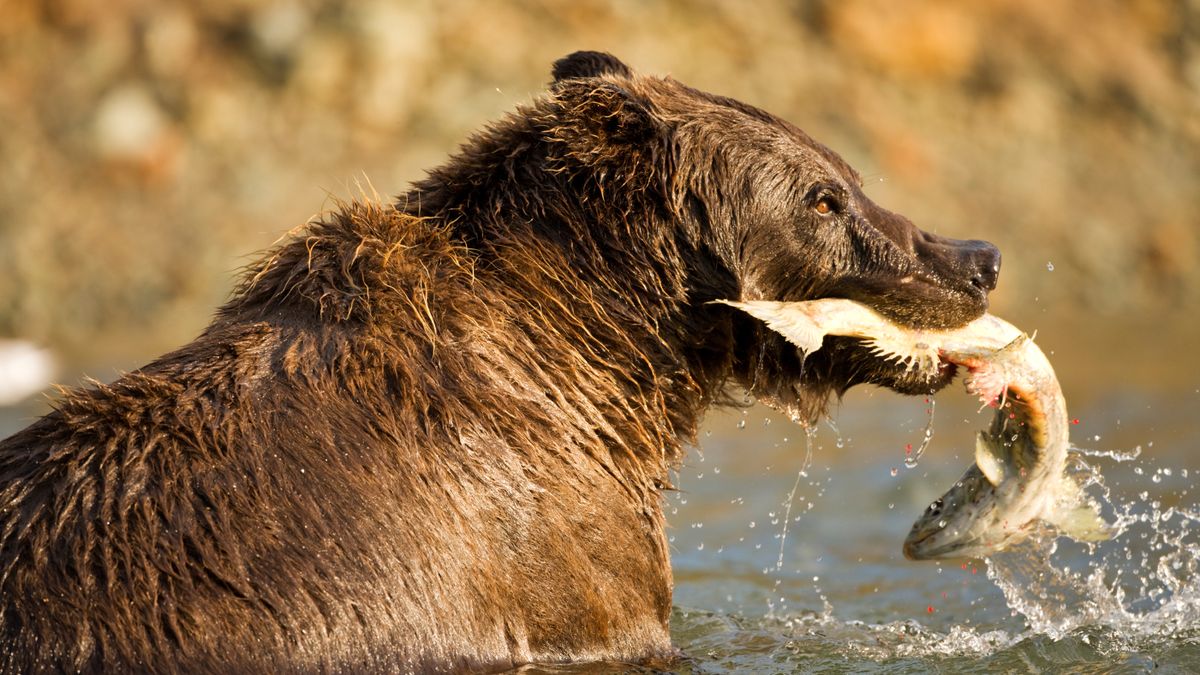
(607, 111)
(589, 64)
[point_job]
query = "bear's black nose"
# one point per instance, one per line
(985, 261)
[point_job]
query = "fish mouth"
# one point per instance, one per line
(915, 546)
(914, 549)
(974, 548)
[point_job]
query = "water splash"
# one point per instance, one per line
(1142, 584)
(1128, 604)
(1102, 601)
(1115, 455)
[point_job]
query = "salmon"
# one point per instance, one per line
(1018, 485)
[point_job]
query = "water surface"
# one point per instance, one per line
(846, 600)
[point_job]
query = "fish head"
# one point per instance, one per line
(1001, 499)
(969, 521)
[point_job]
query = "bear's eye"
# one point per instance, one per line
(827, 206)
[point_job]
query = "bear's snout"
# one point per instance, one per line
(984, 259)
(971, 261)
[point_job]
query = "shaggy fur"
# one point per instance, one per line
(433, 435)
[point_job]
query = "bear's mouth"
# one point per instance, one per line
(775, 372)
(916, 301)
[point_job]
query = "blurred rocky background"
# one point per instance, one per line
(149, 148)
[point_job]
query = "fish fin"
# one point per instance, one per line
(990, 464)
(1077, 516)
(1081, 522)
(915, 356)
(795, 326)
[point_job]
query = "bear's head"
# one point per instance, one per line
(711, 198)
(773, 214)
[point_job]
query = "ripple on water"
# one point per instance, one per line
(812, 643)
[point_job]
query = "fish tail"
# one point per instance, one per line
(1077, 516)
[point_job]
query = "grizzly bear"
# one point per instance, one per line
(434, 435)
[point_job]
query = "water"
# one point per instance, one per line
(912, 458)
(844, 598)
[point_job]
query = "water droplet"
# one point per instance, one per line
(941, 523)
(1049, 267)
(752, 523)
(912, 459)
(1156, 478)
(741, 424)
(891, 506)
(895, 471)
(1138, 470)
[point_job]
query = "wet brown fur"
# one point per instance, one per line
(433, 435)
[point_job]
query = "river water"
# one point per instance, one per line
(845, 598)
